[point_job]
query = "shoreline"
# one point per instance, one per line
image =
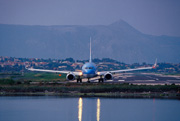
(158, 95)
(92, 90)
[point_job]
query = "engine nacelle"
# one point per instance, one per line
(108, 76)
(70, 77)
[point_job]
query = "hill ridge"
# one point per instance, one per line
(118, 40)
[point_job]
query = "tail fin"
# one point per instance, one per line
(90, 60)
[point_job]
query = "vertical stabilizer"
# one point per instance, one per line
(90, 52)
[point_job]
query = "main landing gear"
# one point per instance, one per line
(100, 79)
(79, 80)
(88, 81)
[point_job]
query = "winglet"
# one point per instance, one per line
(26, 67)
(155, 64)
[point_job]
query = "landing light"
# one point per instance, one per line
(80, 73)
(98, 73)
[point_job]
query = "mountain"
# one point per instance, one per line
(118, 40)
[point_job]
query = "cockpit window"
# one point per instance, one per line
(88, 67)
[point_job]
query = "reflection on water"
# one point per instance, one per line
(80, 109)
(80, 106)
(49, 108)
(98, 109)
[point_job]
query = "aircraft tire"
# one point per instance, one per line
(101, 80)
(77, 80)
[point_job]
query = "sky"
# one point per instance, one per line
(154, 17)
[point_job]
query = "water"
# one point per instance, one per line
(48, 108)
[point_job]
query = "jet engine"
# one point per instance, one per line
(70, 77)
(108, 76)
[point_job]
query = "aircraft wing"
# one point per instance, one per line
(125, 70)
(56, 71)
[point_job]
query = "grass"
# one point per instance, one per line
(89, 88)
(93, 90)
(6, 82)
(34, 77)
(44, 76)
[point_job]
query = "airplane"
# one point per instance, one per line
(89, 70)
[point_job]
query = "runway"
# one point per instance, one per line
(140, 79)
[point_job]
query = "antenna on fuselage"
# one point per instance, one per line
(90, 52)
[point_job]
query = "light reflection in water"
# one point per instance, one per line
(154, 109)
(98, 109)
(80, 106)
(80, 109)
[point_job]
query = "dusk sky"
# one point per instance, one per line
(155, 17)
